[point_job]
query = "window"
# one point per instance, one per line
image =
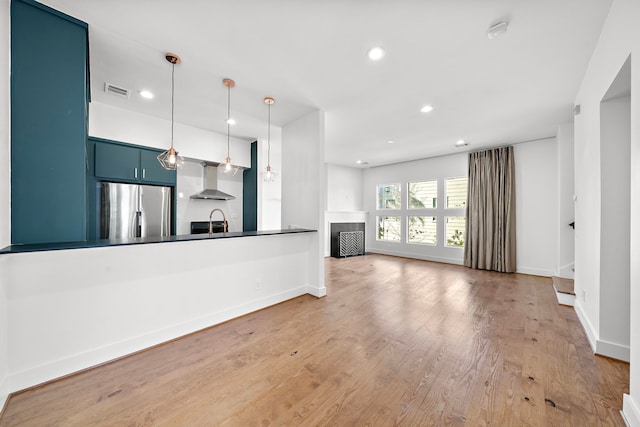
(423, 195)
(389, 196)
(456, 189)
(454, 231)
(422, 230)
(388, 228)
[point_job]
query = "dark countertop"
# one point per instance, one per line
(16, 249)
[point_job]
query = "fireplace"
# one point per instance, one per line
(347, 239)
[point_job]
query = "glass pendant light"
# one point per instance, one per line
(269, 175)
(170, 159)
(227, 168)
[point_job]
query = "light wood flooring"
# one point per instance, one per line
(395, 342)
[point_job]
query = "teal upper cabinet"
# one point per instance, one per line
(114, 161)
(49, 95)
(129, 163)
(152, 171)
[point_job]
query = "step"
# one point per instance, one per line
(564, 291)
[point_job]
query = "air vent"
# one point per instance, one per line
(116, 90)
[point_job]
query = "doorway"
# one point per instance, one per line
(615, 220)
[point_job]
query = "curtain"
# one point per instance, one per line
(490, 235)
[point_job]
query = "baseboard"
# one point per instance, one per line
(416, 256)
(456, 261)
(78, 362)
(566, 271)
(630, 411)
(598, 346)
(4, 395)
(565, 299)
(586, 325)
(534, 271)
(613, 350)
(317, 292)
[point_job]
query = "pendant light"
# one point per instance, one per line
(227, 168)
(170, 159)
(269, 175)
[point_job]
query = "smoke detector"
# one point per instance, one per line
(497, 29)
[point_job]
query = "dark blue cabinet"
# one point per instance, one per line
(152, 171)
(49, 95)
(116, 161)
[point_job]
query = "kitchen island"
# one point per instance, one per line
(73, 306)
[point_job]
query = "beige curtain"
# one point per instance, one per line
(490, 236)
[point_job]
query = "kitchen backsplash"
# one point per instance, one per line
(191, 181)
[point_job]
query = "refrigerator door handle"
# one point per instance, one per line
(138, 224)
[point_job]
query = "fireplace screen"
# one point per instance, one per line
(351, 243)
(347, 239)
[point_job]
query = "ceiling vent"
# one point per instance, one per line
(116, 90)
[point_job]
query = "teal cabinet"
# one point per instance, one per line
(49, 94)
(152, 171)
(116, 161)
(250, 192)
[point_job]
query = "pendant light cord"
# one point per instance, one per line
(173, 71)
(228, 117)
(269, 137)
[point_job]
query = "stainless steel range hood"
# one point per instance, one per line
(211, 191)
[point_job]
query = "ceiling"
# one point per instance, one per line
(312, 55)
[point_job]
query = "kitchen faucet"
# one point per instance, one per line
(224, 221)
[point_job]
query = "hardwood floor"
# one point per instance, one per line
(395, 342)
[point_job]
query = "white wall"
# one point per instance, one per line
(344, 188)
(117, 124)
(566, 190)
(536, 205)
(5, 184)
(83, 307)
(344, 199)
(304, 186)
(620, 38)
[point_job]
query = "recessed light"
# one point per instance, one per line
(146, 94)
(376, 53)
(426, 109)
(361, 162)
(461, 143)
(391, 141)
(231, 121)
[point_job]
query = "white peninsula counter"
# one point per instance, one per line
(73, 308)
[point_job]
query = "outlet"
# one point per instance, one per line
(584, 296)
(257, 284)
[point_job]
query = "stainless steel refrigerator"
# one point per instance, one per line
(130, 210)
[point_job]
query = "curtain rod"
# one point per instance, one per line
(493, 147)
